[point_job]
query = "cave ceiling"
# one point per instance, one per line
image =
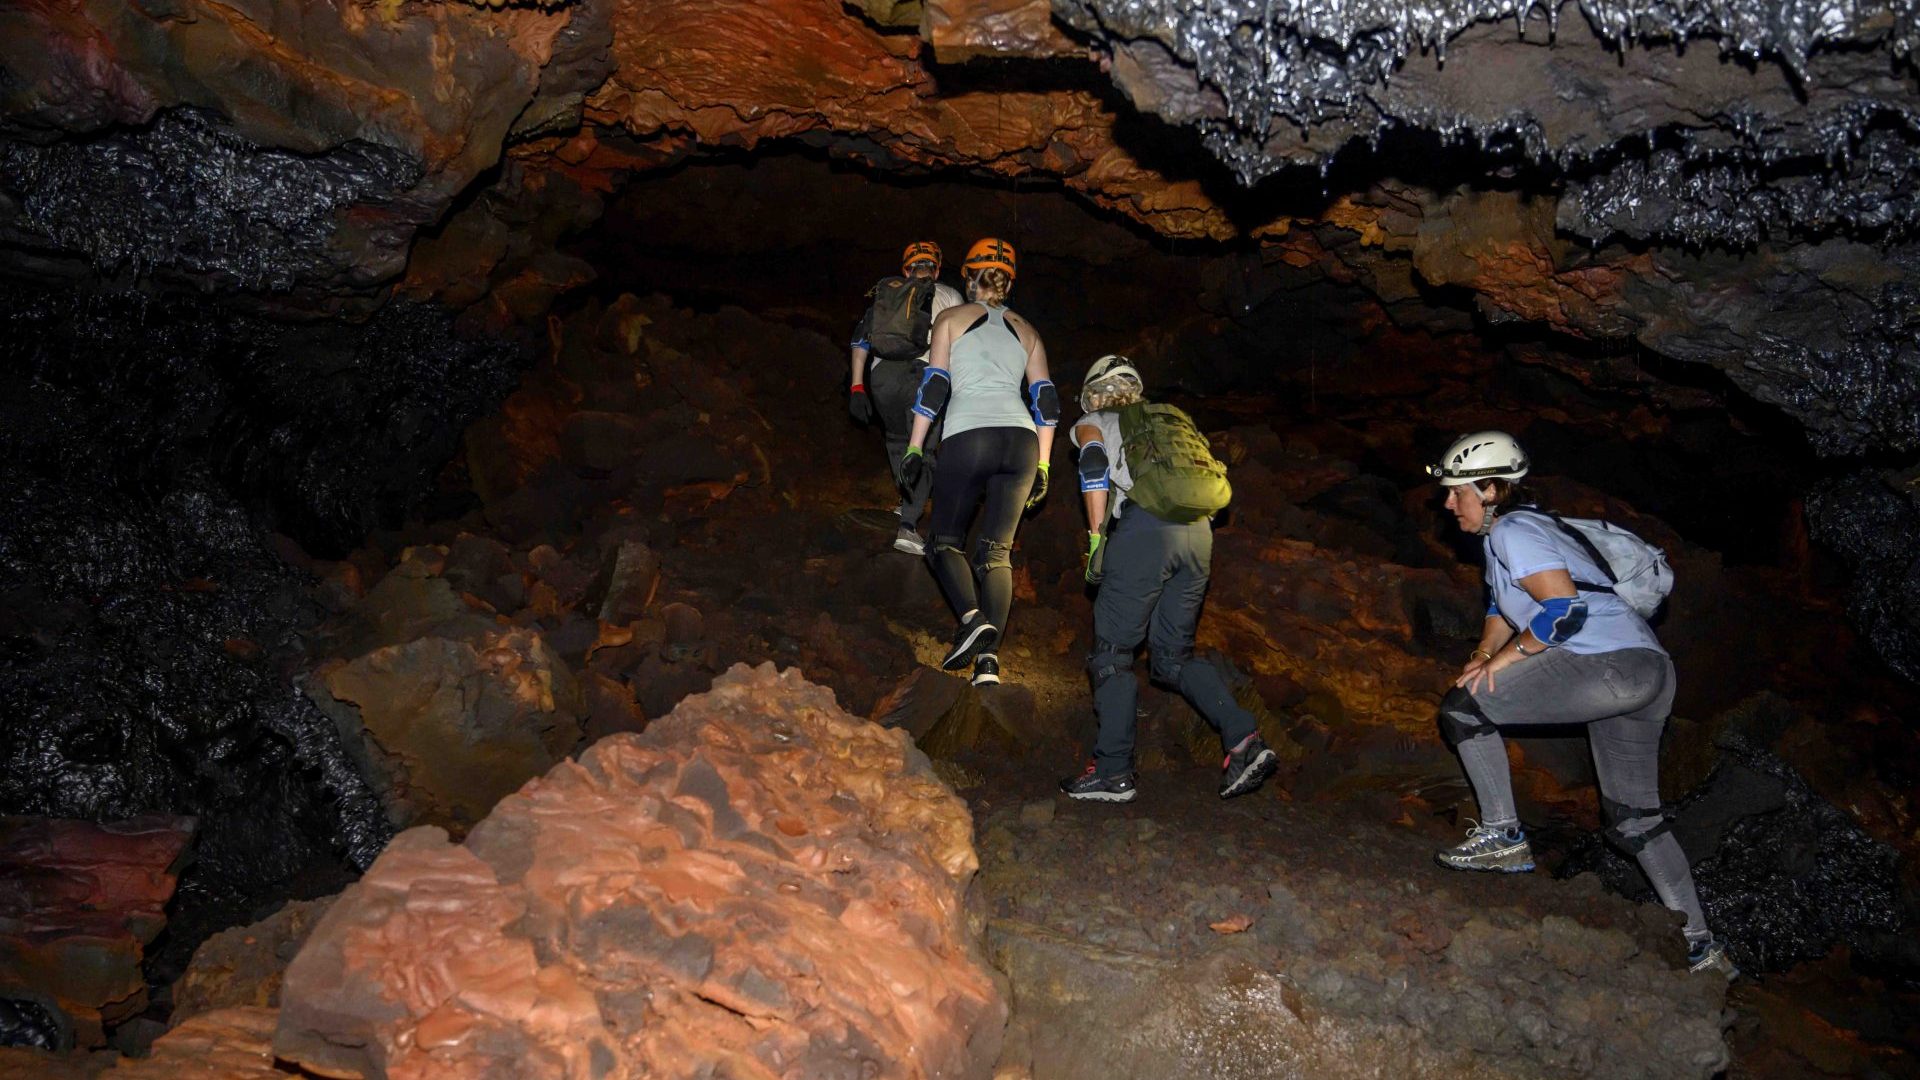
(1726, 182)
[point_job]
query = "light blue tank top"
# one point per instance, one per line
(987, 364)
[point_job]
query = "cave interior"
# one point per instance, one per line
(407, 396)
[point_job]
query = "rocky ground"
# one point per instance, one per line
(669, 494)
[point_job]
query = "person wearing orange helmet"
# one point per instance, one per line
(889, 353)
(993, 457)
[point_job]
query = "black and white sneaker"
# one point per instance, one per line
(986, 670)
(974, 637)
(1100, 788)
(1247, 767)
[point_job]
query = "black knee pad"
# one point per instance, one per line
(1108, 661)
(992, 555)
(1461, 718)
(1620, 815)
(1167, 669)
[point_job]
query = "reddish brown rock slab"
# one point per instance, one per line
(758, 885)
(244, 966)
(226, 1044)
(78, 903)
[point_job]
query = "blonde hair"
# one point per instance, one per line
(989, 285)
(1112, 394)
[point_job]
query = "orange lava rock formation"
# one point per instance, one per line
(759, 885)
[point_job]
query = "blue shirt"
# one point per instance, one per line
(1522, 544)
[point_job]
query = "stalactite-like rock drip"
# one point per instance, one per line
(298, 145)
(758, 882)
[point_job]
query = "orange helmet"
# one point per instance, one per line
(920, 250)
(990, 252)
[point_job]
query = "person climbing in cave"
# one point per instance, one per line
(1558, 649)
(1152, 572)
(994, 450)
(889, 356)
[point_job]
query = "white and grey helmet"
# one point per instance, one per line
(1483, 455)
(1112, 380)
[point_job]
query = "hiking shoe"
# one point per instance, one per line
(1710, 955)
(908, 540)
(1097, 788)
(986, 670)
(1485, 848)
(1247, 767)
(974, 637)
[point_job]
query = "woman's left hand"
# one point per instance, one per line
(1039, 486)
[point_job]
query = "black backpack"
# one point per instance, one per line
(900, 322)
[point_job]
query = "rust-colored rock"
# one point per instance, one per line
(227, 1044)
(243, 967)
(79, 902)
(759, 885)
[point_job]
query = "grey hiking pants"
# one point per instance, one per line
(893, 385)
(1156, 579)
(1623, 697)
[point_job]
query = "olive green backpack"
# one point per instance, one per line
(1175, 475)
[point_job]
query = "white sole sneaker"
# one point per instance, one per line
(1517, 859)
(910, 545)
(981, 638)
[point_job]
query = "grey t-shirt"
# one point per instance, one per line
(1120, 480)
(988, 365)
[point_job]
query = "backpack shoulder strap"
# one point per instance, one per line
(1593, 553)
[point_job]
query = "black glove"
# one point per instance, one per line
(913, 469)
(859, 407)
(1039, 486)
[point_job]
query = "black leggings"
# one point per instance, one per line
(996, 464)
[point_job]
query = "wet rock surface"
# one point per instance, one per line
(758, 879)
(150, 632)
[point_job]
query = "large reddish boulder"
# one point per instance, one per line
(760, 885)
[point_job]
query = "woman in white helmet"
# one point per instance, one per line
(1554, 654)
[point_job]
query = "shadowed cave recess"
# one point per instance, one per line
(406, 399)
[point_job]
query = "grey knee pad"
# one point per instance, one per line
(1620, 815)
(992, 555)
(1108, 661)
(943, 544)
(1461, 718)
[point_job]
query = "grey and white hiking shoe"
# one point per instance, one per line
(1247, 767)
(1503, 850)
(1710, 955)
(908, 540)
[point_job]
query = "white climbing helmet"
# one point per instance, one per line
(1111, 377)
(1483, 455)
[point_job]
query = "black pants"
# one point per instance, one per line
(893, 385)
(994, 465)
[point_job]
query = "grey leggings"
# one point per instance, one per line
(1624, 698)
